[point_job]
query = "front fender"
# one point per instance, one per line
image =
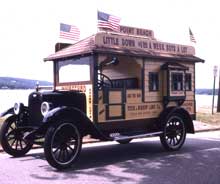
(74, 115)
(9, 111)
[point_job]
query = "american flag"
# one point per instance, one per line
(108, 21)
(191, 36)
(69, 32)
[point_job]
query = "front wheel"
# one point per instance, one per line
(62, 145)
(12, 138)
(174, 133)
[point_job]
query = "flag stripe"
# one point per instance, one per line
(192, 38)
(69, 32)
(108, 21)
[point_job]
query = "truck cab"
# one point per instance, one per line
(112, 87)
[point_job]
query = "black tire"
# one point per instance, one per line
(11, 138)
(174, 133)
(62, 146)
(125, 141)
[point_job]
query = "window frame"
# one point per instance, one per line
(178, 74)
(153, 81)
(189, 82)
(56, 72)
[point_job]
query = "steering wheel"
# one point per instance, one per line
(104, 81)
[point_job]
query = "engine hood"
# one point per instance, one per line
(56, 99)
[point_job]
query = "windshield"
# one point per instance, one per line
(74, 70)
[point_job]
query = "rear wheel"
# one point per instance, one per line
(12, 138)
(174, 133)
(62, 145)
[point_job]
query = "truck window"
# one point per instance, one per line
(153, 81)
(188, 82)
(74, 70)
(177, 81)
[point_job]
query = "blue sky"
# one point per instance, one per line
(29, 29)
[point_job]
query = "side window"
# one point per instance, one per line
(153, 81)
(177, 81)
(188, 82)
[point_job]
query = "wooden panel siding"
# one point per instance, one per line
(115, 97)
(115, 110)
(152, 66)
(189, 106)
(143, 110)
(133, 96)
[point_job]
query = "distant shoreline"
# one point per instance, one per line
(206, 91)
(20, 83)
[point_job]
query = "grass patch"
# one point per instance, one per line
(208, 118)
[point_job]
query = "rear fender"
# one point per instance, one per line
(182, 112)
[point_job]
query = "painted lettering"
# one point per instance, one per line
(158, 46)
(144, 32)
(128, 43)
(126, 30)
(170, 48)
(110, 40)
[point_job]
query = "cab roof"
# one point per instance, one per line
(120, 44)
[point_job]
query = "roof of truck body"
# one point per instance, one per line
(121, 44)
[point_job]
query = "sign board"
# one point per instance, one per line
(136, 31)
(111, 40)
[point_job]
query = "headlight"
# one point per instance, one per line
(18, 108)
(45, 108)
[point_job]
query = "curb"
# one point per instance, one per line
(207, 130)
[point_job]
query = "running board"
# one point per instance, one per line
(124, 137)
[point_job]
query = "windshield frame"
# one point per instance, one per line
(56, 72)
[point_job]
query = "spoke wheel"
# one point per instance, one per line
(12, 140)
(62, 145)
(174, 133)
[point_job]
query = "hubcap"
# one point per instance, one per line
(65, 143)
(175, 131)
(14, 137)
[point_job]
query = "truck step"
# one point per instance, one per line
(119, 137)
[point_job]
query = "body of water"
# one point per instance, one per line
(9, 97)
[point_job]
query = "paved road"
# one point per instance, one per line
(142, 161)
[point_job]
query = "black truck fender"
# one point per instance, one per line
(74, 115)
(182, 112)
(9, 111)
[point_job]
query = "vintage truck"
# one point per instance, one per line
(112, 87)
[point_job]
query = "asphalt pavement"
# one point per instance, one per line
(141, 161)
